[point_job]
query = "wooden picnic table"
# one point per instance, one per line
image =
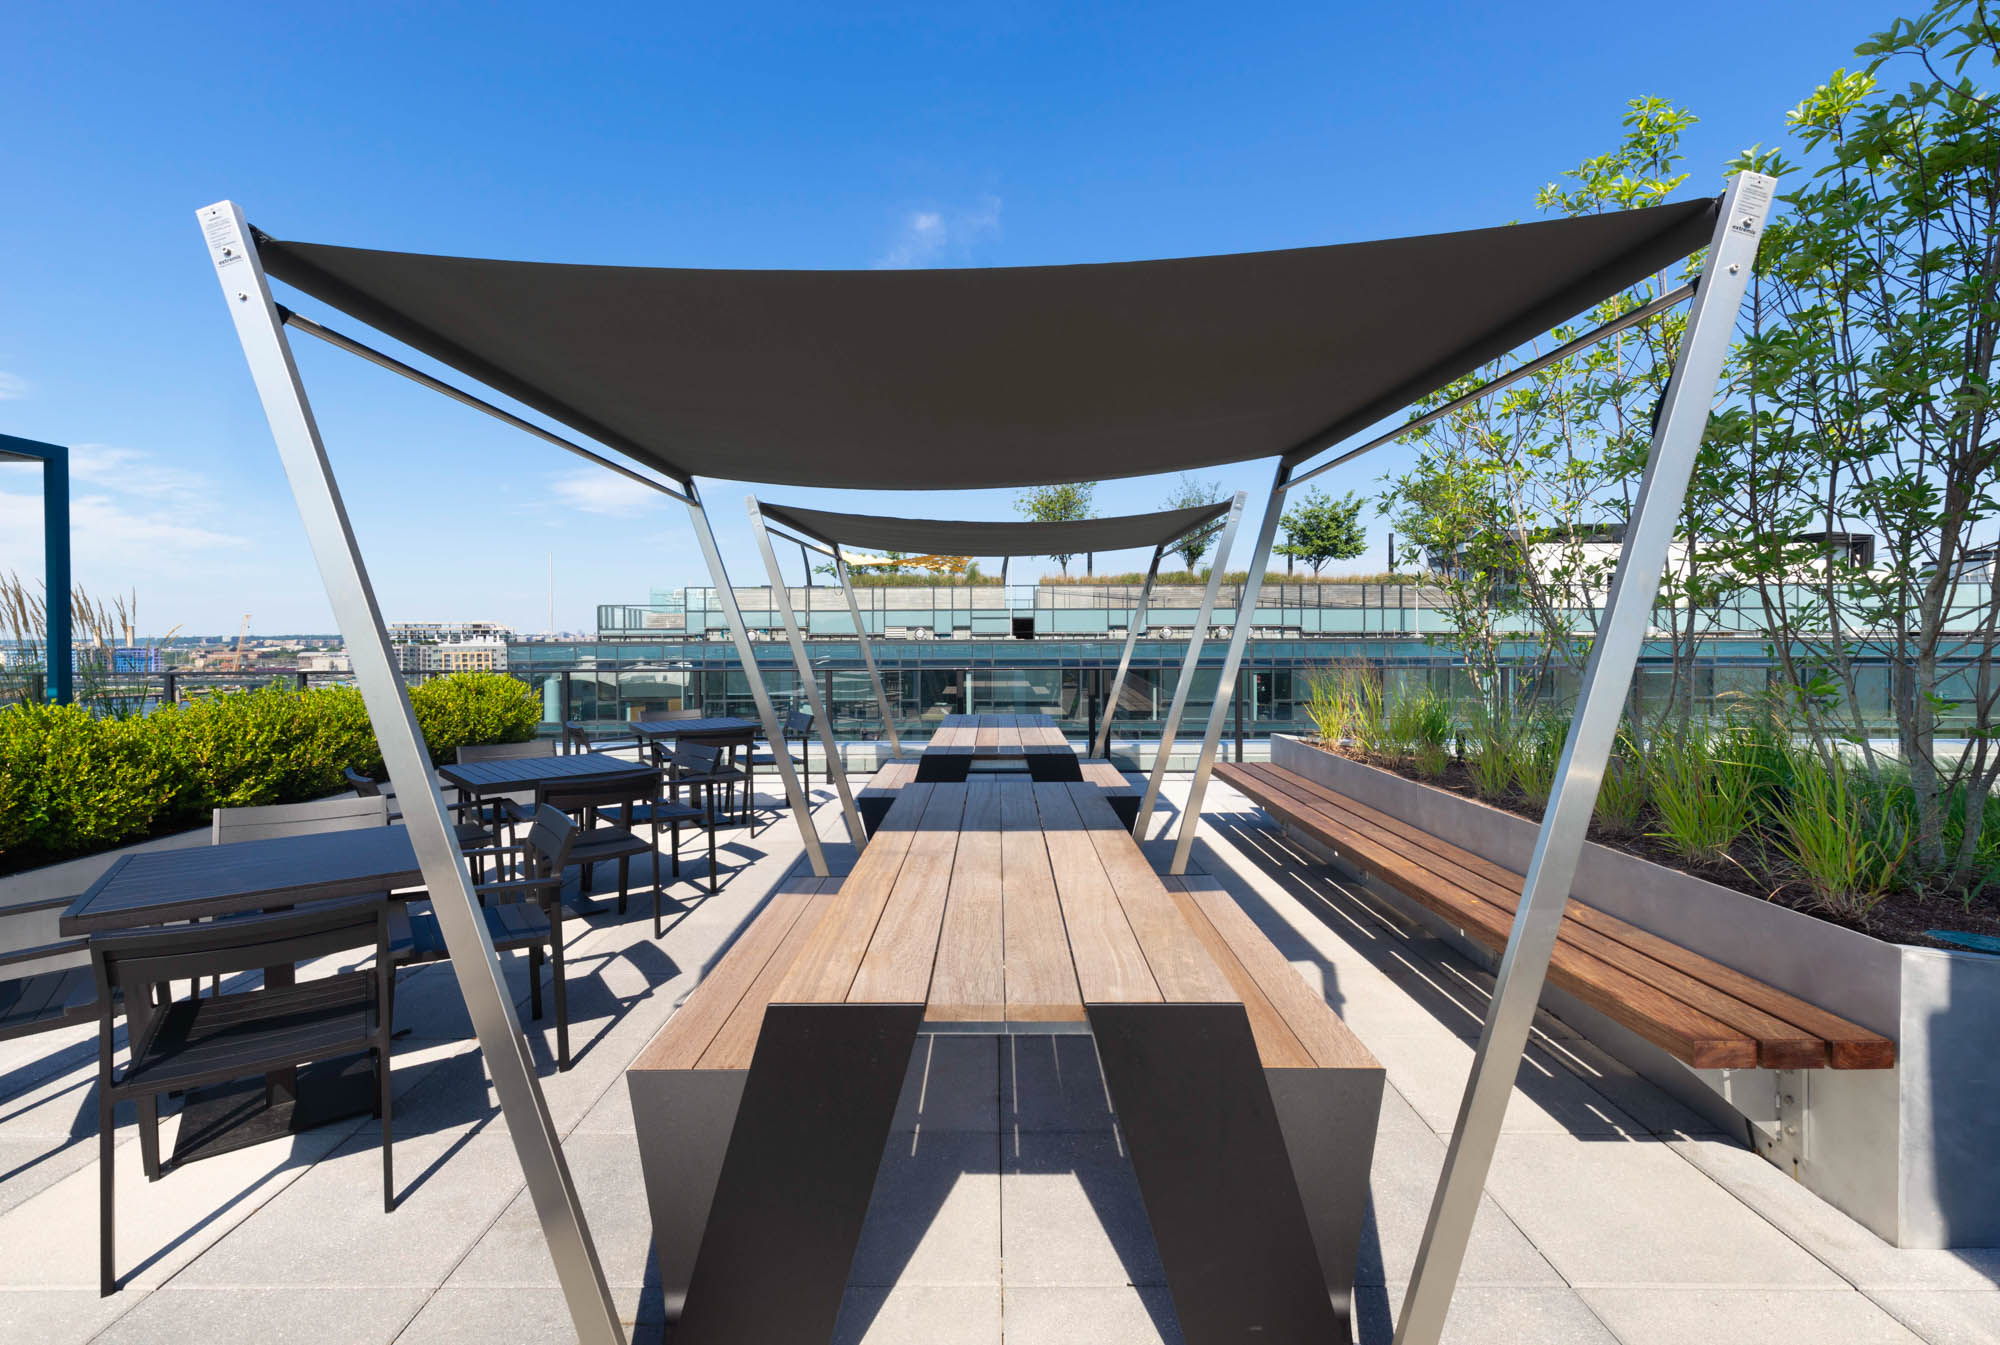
(962, 741)
(1004, 905)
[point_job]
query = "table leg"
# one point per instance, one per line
(1218, 1184)
(793, 1188)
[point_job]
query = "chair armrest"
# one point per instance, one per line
(43, 950)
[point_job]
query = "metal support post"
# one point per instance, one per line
(1172, 727)
(1136, 627)
(836, 769)
(774, 734)
(488, 1002)
(57, 642)
(1621, 634)
(867, 654)
(1225, 684)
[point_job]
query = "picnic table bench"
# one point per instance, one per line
(1004, 905)
(1701, 1012)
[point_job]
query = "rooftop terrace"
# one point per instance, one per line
(1005, 1208)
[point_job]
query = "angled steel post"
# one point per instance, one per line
(836, 770)
(1102, 747)
(1172, 727)
(487, 999)
(1225, 687)
(867, 654)
(746, 653)
(1607, 678)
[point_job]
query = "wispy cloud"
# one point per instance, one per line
(592, 491)
(928, 237)
(13, 387)
(136, 518)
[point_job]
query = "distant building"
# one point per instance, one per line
(432, 648)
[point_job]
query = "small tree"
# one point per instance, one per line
(1058, 504)
(1190, 493)
(1320, 528)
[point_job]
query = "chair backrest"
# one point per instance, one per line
(367, 786)
(135, 962)
(549, 840)
(534, 747)
(670, 715)
(693, 759)
(296, 819)
(599, 791)
(798, 724)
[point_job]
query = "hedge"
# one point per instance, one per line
(72, 782)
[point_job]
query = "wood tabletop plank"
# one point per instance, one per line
(1328, 1040)
(736, 1041)
(1181, 965)
(1278, 1046)
(897, 966)
(826, 963)
(1041, 976)
(1111, 967)
(687, 1034)
(969, 984)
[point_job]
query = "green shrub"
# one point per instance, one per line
(1537, 751)
(72, 782)
(1419, 725)
(468, 708)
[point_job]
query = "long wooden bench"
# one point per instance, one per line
(1701, 1012)
(1004, 905)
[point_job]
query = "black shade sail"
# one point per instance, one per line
(946, 537)
(1001, 376)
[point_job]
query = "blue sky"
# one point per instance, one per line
(812, 136)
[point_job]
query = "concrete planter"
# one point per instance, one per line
(1909, 1152)
(66, 879)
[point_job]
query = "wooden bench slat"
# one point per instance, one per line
(736, 1042)
(969, 982)
(826, 964)
(1695, 1037)
(1792, 1033)
(1328, 1040)
(897, 966)
(693, 1026)
(1278, 1046)
(1111, 968)
(1180, 965)
(1041, 976)
(1780, 1045)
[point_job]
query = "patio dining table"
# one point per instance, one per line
(163, 887)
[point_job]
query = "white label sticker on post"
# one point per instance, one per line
(223, 244)
(1751, 202)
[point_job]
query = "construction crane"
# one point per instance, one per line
(243, 633)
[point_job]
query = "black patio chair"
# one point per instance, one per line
(674, 813)
(178, 1045)
(523, 910)
(471, 835)
(45, 980)
(600, 841)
